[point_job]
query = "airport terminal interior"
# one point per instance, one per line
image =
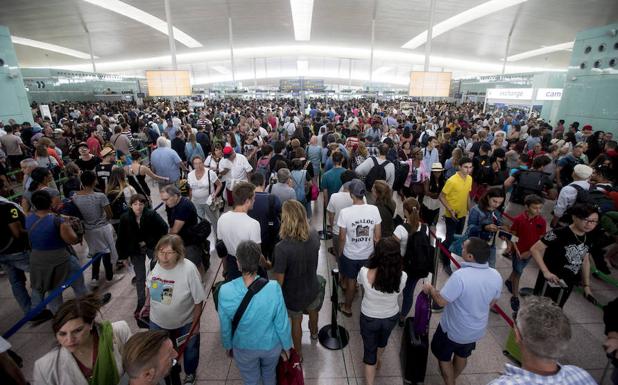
(429, 187)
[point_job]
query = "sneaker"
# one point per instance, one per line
(94, 283)
(314, 336)
(509, 285)
(189, 379)
(515, 303)
(43, 316)
(106, 298)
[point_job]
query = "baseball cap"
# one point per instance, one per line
(582, 171)
(83, 144)
(357, 188)
(227, 151)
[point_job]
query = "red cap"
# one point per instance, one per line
(227, 150)
(587, 127)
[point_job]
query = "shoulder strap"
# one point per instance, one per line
(252, 290)
(375, 161)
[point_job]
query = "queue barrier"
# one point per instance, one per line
(52, 295)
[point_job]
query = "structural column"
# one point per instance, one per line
(432, 11)
(170, 33)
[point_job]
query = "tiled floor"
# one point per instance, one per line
(322, 366)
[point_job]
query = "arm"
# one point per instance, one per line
(11, 369)
(108, 212)
(331, 218)
(280, 277)
(442, 199)
(586, 274)
(148, 171)
(509, 181)
(175, 229)
(67, 234)
(197, 312)
(538, 251)
(377, 233)
(342, 235)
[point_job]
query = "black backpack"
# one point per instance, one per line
(528, 182)
(378, 171)
(594, 197)
(418, 260)
(566, 172)
(401, 174)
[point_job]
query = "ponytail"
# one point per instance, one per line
(411, 209)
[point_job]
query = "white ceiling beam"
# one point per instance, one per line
(50, 47)
(302, 13)
(462, 18)
(145, 18)
(541, 51)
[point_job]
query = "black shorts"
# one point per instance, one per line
(375, 333)
(443, 348)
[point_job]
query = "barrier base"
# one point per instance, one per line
(325, 235)
(333, 338)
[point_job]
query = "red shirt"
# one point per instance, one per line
(94, 146)
(528, 230)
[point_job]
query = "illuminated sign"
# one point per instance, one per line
(437, 84)
(168, 83)
(549, 94)
(509, 93)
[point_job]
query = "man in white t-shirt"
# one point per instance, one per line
(359, 230)
(233, 169)
(236, 226)
(364, 168)
(339, 201)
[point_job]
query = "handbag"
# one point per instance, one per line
(422, 314)
(290, 372)
(217, 203)
(315, 192)
(221, 248)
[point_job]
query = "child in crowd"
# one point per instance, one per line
(529, 227)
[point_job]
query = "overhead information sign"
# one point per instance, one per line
(297, 85)
(168, 83)
(549, 94)
(435, 84)
(509, 93)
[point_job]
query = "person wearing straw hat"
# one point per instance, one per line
(430, 207)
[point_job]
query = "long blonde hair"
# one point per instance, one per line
(294, 223)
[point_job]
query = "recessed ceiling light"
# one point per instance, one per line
(137, 14)
(302, 12)
(50, 47)
(462, 18)
(541, 51)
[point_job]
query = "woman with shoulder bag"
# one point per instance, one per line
(485, 219)
(204, 191)
(89, 352)
(430, 208)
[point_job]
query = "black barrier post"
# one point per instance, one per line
(435, 308)
(334, 336)
(324, 233)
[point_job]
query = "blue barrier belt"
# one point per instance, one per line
(55, 293)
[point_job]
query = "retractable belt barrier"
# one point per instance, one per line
(55, 293)
(496, 307)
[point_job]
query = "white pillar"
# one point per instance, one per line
(432, 9)
(229, 28)
(170, 33)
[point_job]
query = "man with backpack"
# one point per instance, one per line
(566, 165)
(573, 193)
(267, 211)
(526, 182)
(374, 168)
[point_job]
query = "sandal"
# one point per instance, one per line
(344, 312)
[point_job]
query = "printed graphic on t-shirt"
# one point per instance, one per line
(575, 256)
(161, 290)
(362, 230)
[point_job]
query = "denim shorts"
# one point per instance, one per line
(519, 264)
(444, 348)
(350, 268)
(375, 333)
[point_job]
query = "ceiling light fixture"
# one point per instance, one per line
(221, 69)
(541, 51)
(50, 47)
(137, 14)
(302, 12)
(460, 19)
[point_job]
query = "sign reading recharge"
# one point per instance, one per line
(549, 94)
(509, 93)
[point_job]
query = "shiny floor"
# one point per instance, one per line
(322, 366)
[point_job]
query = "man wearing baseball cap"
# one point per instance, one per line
(233, 168)
(359, 231)
(574, 192)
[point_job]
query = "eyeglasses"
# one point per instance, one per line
(591, 221)
(172, 252)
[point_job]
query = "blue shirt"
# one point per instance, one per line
(567, 375)
(263, 326)
(166, 162)
(469, 292)
(430, 157)
(331, 180)
(46, 233)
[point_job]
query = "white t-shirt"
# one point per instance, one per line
(375, 303)
(233, 228)
(402, 234)
(337, 202)
(212, 164)
(203, 187)
(238, 170)
(359, 222)
(174, 294)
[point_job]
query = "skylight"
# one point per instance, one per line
(462, 18)
(137, 14)
(50, 47)
(302, 12)
(541, 51)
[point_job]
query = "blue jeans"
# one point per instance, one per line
(191, 355)
(16, 265)
(408, 296)
(453, 226)
(254, 364)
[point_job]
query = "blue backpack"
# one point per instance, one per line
(300, 179)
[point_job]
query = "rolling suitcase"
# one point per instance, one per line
(413, 354)
(511, 349)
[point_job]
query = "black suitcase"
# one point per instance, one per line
(413, 354)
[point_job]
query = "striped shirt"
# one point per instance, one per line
(567, 375)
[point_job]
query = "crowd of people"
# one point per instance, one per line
(248, 175)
